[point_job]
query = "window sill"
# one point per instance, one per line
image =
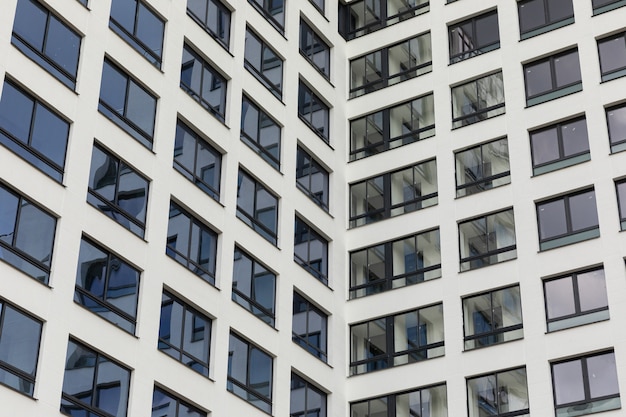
(579, 320)
(552, 95)
(589, 408)
(548, 28)
(609, 7)
(569, 239)
(563, 163)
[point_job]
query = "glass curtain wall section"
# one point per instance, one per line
(254, 287)
(482, 167)
(487, 240)
(426, 401)
(478, 100)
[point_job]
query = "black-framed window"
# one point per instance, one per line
(502, 393)
(306, 400)
(273, 11)
(492, 317)
(260, 132)
(264, 63)
(257, 207)
(213, 16)
(107, 285)
(33, 131)
(612, 53)
(48, 41)
(429, 401)
(400, 339)
(254, 287)
(250, 373)
(312, 178)
(487, 240)
(203, 83)
(169, 405)
(474, 36)
(83, 2)
(309, 328)
(310, 250)
(478, 100)
(394, 193)
(575, 299)
(540, 16)
(141, 27)
(552, 77)
(359, 18)
(197, 160)
(94, 384)
(390, 65)
(559, 145)
(482, 167)
(616, 123)
(314, 48)
(20, 336)
(127, 104)
(319, 4)
(191, 243)
(26, 235)
(601, 6)
(118, 190)
(313, 112)
(620, 188)
(407, 261)
(567, 219)
(392, 127)
(587, 384)
(185, 334)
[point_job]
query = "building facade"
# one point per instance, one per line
(378, 208)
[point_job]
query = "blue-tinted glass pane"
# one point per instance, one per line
(62, 46)
(19, 340)
(123, 286)
(141, 108)
(8, 215)
(178, 231)
(260, 372)
(197, 336)
(113, 88)
(111, 387)
(50, 134)
(79, 372)
(92, 264)
(16, 112)
(123, 11)
(30, 23)
(150, 29)
(132, 193)
(103, 175)
(35, 232)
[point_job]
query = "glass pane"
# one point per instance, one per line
(103, 174)
(602, 375)
(552, 219)
(487, 30)
(35, 232)
(583, 211)
(482, 396)
(79, 372)
(16, 112)
(567, 69)
(197, 335)
(49, 135)
(592, 290)
(123, 286)
(545, 146)
(178, 231)
(559, 297)
(150, 29)
(560, 9)
(538, 78)
(260, 372)
(30, 23)
(19, 344)
(92, 267)
(531, 15)
(8, 215)
(612, 53)
(575, 138)
(62, 46)
(132, 193)
(123, 12)
(113, 88)
(616, 119)
(111, 387)
(621, 197)
(568, 382)
(141, 108)
(512, 391)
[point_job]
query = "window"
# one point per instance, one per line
(487, 240)
(319, 4)
(257, 207)
(585, 385)
(560, 145)
(620, 187)
(45, 39)
(140, 27)
(312, 178)
(482, 167)
(191, 243)
(127, 104)
(359, 18)
(94, 384)
(33, 131)
(185, 334)
(540, 16)
(310, 250)
(503, 393)
(314, 48)
(391, 65)
(212, 16)
(272, 10)
(107, 285)
(397, 340)
(309, 327)
(26, 235)
(263, 63)
(427, 401)
(168, 405)
(616, 121)
(203, 83)
(250, 373)
(492, 317)
(260, 132)
(20, 335)
(552, 77)
(601, 6)
(254, 287)
(306, 399)
(576, 299)
(612, 52)
(408, 189)
(118, 190)
(392, 127)
(474, 36)
(197, 161)
(478, 100)
(407, 261)
(567, 219)
(313, 112)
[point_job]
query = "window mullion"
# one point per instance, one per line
(136, 19)
(585, 375)
(33, 120)
(388, 249)
(107, 273)
(389, 339)
(577, 308)
(568, 215)
(387, 195)
(94, 382)
(45, 34)
(559, 135)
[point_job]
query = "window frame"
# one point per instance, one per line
(546, 27)
(307, 30)
(391, 400)
(481, 183)
(621, 208)
(563, 161)
(500, 395)
(478, 49)
(616, 72)
(257, 144)
(315, 102)
(607, 7)
(298, 383)
(264, 10)
(222, 40)
(302, 228)
(617, 144)
(254, 306)
(555, 91)
(259, 73)
(480, 114)
(178, 403)
(320, 349)
(253, 219)
(306, 170)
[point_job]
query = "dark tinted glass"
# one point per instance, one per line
(312, 178)
(257, 207)
(309, 327)
(306, 399)
(314, 49)
(254, 287)
(313, 111)
(213, 16)
(260, 132)
(311, 250)
(612, 53)
(264, 63)
(166, 404)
